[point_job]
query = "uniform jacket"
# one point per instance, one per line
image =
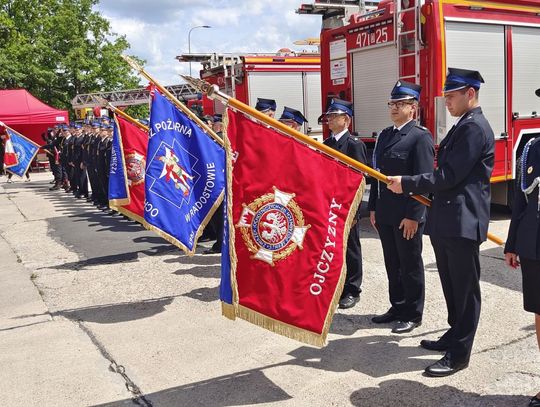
(347, 145)
(523, 236)
(460, 184)
(409, 151)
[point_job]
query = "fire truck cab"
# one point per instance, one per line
(291, 78)
(417, 40)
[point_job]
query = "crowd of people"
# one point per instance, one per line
(79, 155)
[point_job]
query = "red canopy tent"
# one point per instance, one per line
(27, 114)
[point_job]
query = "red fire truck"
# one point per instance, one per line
(292, 79)
(417, 40)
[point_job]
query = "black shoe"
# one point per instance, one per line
(52, 182)
(203, 239)
(212, 251)
(445, 367)
(384, 318)
(439, 346)
(55, 188)
(348, 301)
(402, 327)
(534, 402)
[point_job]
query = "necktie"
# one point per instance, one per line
(332, 142)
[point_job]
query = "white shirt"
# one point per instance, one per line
(403, 125)
(340, 134)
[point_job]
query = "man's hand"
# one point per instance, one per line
(410, 227)
(511, 260)
(395, 184)
(372, 219)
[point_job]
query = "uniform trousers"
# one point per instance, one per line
(405, 271)
(458, 264)
(353, 279)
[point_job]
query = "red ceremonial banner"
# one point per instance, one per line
(290, 209)
(133, 143)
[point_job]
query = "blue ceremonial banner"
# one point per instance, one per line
(185, 176)
(118, 185)
(25, 149)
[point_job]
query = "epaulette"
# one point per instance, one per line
(421, 127)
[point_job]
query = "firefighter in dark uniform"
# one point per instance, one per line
(459, 215)
(523, 242)
(83, 165)
(92, 163)
(404, 148)
(214, 229)
(64, 156)
(266, 106)
(292, 118)
(339, 115)
(77, 158)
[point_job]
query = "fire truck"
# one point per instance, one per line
(416, 41)
(291, 78)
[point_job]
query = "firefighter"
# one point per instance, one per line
(292, 118)
(217, 124)
(214, 229)
(339, 115)
(459, 215)
(404, 148)
(523, 242)
(266, 106)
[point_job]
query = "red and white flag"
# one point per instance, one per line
(290, 212)
(10, 156)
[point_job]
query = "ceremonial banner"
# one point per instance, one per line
(292, 209)
(185, 176)
(25, 150)
(225, 287)
(126, 176)
(10, 156)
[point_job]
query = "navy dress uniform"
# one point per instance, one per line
(408, 150)
(458, 219)
(524, 233)
(356, 149)
(266, 106)
(293, 118)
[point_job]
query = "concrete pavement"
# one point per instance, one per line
(95, 310)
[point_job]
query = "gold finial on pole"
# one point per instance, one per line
(174, 100)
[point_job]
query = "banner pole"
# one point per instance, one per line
(127, 117)
(173, 99)
(214, 93)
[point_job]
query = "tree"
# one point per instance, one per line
(57, 49)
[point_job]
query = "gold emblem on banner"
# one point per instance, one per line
(272, 226)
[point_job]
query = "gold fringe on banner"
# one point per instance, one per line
(346, 231)
(228, 311)
(130, 215)
(266, 322)
(231, 308)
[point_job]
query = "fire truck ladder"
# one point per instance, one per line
(408, 39)
(130, 97)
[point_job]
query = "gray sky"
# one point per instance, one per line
(158, 30)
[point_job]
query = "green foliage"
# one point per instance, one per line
(57, 49)
(139, 111)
